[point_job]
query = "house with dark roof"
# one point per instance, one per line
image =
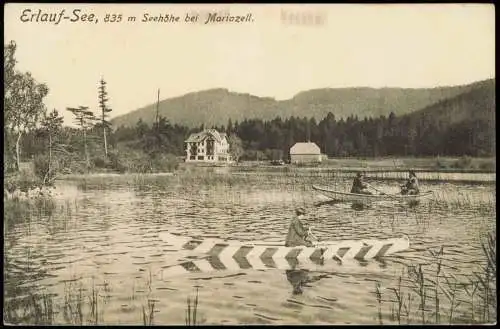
(208, 145)
(305, 153)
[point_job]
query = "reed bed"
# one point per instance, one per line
(462, 177)
(22, 211)
(32, 309)
(464, 201)
(293, 181)
(381, 174)
(82, 306)
(192, 310)
(426, 293)
(148, 315)
(286, 180)
(235, 187)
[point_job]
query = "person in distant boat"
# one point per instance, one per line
(298, 231)
(359, 186)
(411, 185)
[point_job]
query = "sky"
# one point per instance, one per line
(378, 45)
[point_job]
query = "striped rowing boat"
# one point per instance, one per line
(217, 254)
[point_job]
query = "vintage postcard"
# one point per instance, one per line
(241, 164)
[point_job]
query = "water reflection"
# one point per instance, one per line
(297, 279)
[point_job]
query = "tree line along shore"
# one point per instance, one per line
(35, 133)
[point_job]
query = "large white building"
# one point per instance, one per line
(207, 146)
(305, 153)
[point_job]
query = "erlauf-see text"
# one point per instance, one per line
(76, 15)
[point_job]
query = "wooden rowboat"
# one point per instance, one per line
(209, 255)
(343, 249)
(368, 198)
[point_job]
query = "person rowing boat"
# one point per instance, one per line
(359, 186)
(411, 185)
(298, 230)
(299, 234)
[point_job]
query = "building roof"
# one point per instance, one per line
(200, 136)
(305, 148)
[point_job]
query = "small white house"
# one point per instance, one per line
(207, 146)
(305, 152)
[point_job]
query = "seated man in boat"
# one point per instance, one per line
(298, 231)
(411, 185)
(359, 186)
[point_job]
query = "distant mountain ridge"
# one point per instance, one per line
(477, 103)
(464, 124)
(217, 106)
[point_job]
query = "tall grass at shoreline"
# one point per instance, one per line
(432, 296)
(213, 174)
(234, 188)
(83, 306)
(19, 211)
(231, 184)
(191, 310)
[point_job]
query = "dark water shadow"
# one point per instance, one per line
(413, 204)
(302, 278)
(327, 203)
(360, 206)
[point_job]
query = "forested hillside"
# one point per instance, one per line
(461, 125)
(216, 106)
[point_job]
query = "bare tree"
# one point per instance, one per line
(106, 125)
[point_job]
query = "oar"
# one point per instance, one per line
(381, 193)
(314, 237)
(309, 233)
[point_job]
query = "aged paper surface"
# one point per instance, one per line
(249, 164)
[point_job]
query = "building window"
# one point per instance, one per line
(194, 149)
(192, 157)
(210, 147)
(201, 157)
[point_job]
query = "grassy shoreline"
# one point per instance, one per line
(473, 170)
(438, 164)
(109, 174)
(204, 170)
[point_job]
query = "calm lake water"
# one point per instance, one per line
(103, 237)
